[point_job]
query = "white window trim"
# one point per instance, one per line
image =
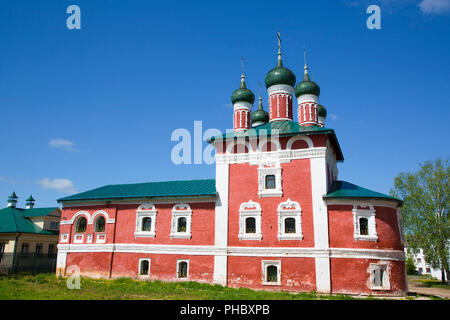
(89, 238)
(64, 238)
(178, 211)
(265, 169)
(76, 235)
(265, 264)
(97, 238)
(139, 268)
(289, 209)
(369, 214)
(178, 269)
(387, 274)
(145, 210)
(250, 210)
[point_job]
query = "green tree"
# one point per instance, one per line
(425, 211)
(410, 264)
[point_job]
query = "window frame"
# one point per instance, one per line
(250, 210)
(96, 224)
(286, 210)
(385, 279)
(77, 224)
(24, 245)
(145, 210)
(140, 268)
(265, 264)
(178, 268)
(181, 210)
(265, 169)
(369, 214)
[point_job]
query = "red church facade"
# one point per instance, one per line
(274, 217)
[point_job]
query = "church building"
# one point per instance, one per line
(275, 217)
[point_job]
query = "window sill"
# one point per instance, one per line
(271, 283)
(290, 237)
(270, 193)
(144, 234)
(250, 237)
(180, 236)
(366, 238)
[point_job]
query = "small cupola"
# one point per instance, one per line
(12, 200)
(322, 112)
(30, 202)
(260, 116)
(242, 100)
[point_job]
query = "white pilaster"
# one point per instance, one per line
(320, 220)
(221, 224)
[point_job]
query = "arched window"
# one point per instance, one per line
(146, 224)
(250, 225)
(181, 225)
(272, 274)
(363, 226)
(144, 267)
(270, 181)
(289, 225)
(100, 224)
(81, 225)
(182, 269)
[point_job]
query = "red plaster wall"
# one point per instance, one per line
(163, 266)
(92, 264)
(351, 276)
(297, 274)
(296, 178)
(340, 223)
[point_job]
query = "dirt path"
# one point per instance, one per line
(415, 287)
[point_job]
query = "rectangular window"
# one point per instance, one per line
(144, 267)
(270, 181)
(2, 250)
(182, 269)
(51, 250)
(38, 249)
(379, 277)
(24, 250)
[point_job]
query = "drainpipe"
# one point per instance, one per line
(113, 243)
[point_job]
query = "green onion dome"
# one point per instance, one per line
(280, 75)
(259, 117)
(13, 196)
(242, 94)
(307, 86)
(321, 111)
(30, 199)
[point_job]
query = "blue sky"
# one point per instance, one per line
(86, 108)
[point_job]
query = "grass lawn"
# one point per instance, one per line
(428, 282)
(49, 287)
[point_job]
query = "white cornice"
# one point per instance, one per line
(138, 201)
(376, 254)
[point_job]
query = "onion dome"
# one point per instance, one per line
(242, 94)
(30, 199)
(280, 75)
(307, 86)
(259, 117)
(322, 112)
(13, 196)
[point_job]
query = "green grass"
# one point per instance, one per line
(49, 287)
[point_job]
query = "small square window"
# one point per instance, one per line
(379, 277)
(271, 272)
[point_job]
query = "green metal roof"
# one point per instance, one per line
(184, 188)
(343, 189)
(38, 212)
(13, 220)
(283, 129)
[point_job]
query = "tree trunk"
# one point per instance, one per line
(448, 274)
(443, 276)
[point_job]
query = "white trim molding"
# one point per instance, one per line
(369, 215)
(90, 219)
(379, 276)
(181, 210)
(267, 168)
(296, 138)
(266, 264)
(250, 210)
(145, 210)
(289, 209)
(178, 269)
(140, 268)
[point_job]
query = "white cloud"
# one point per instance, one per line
(62, 144)
(333, 116)
(60, 185)
(434, 6)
